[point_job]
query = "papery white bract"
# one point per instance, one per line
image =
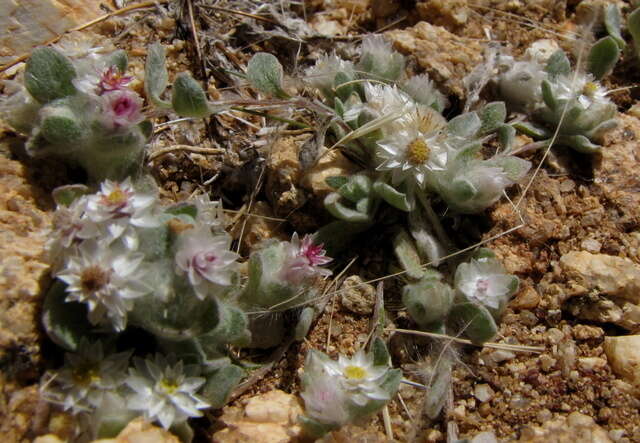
(520, 84)
(209, 213)
(323, 73)
(106, 280)
(206, 259)
(421, 89)
(86, 377)
(303, 260)
(162, 391)
(325, 400)
(484, 281)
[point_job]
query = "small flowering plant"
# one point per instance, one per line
(471, 306)
(570, 102)
(281, 277)
(339, 392)
(122, 260)
(76, 104)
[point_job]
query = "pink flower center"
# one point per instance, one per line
(202, 261)
(124, 106)
(112, 80)
(313, 253)
(482, 285)
(116, 201)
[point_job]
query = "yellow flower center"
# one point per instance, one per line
(169, 386)
(355, 372)
(418, 152)
(84, 376)
(93, 279)
(117, 197)
(590, 89)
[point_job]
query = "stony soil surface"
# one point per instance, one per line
(577, 252)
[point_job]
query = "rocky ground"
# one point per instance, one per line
(577, 253)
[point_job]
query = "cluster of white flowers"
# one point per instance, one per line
(94, 250)
(91, 382)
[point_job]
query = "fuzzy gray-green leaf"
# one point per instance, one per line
(603, 57)
(407, 254)
(189, 100)
(156, 75)
(392, 196)
(633, 25)
(265, 73)
(48, 75)
(613, 23)
(220, 383)
(475, 321)
(558, 64)
(492, 117)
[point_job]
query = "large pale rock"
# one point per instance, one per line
(609, 275)
(283, 174)
(141, 431)
(446, 57)
(576, 427)
(267, 418)
(331, 163)
(25, 24)
(624, 356)
(23, 267)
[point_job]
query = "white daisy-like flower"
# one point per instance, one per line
(120, 209)
(416, 149)
(358, 376)
(206, 259)
(303, 260)
(583, 88)
(484, 282)
(86, 377)
(71, 226)
(106, 280)
(162, 391)
(322, 75)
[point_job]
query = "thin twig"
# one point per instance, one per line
(503, 346)
(194, 31)
(147, 4)
(386, 418)
(242, 13)
(168, 149)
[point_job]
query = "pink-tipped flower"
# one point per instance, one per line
(304, 260)
(206, 259)
(121, 108)
(113, 80)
